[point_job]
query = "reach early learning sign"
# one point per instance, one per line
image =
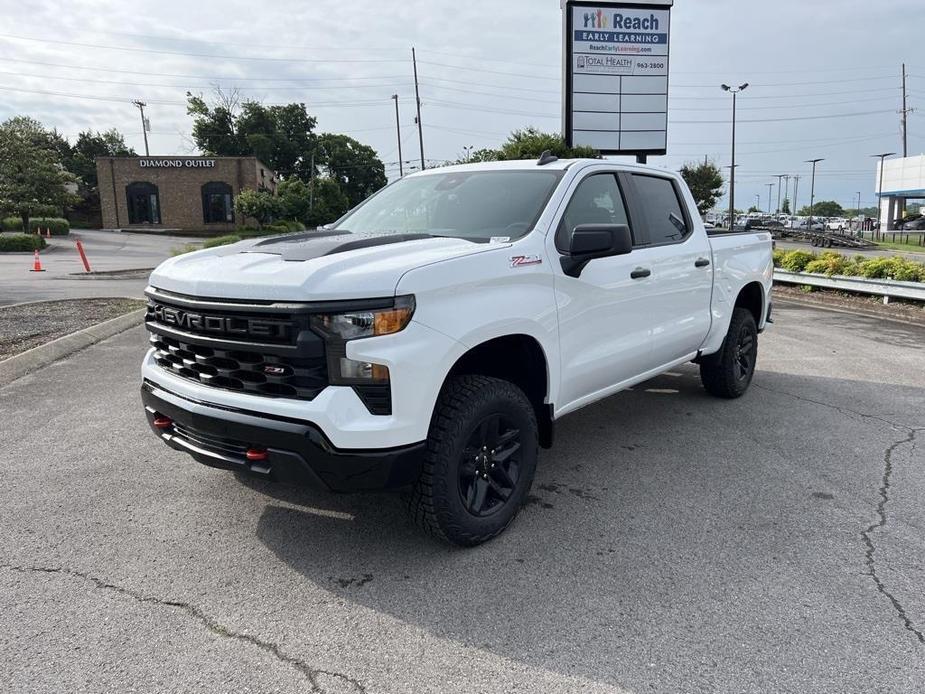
(616, 75)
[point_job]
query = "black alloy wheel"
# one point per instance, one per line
(744, 363)
(490, 466)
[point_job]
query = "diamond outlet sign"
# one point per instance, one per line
(616, 75)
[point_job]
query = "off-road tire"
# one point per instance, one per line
(435, 502)
(724, 374)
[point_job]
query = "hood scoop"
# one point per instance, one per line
(310, 245)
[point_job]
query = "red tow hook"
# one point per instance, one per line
(257, 455)
(162, 422)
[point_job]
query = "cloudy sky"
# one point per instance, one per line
(824, 75)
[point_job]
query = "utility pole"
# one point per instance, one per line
(905, 127)
(905, 121)
(401, 166)
(779, 177)
(812, 192)
(144, 124)
(770, 187)
(787, 190)
(417, 98)
(732, 168)
(796, 190)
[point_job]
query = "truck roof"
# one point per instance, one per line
(532, 165)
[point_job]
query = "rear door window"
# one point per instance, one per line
(659, 199)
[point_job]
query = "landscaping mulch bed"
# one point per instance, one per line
(907, 311)
(31, 325)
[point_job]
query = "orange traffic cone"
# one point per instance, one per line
(37, 264)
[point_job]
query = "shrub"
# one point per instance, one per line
(58, 226)
(11, 243)
(796, 261)
(778, 255)
(221, 241)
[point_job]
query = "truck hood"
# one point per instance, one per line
(312, 266)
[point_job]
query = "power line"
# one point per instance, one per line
(133, 49)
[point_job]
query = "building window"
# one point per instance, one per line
(144, 206)
(217, 205)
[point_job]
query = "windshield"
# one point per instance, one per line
(473, 205)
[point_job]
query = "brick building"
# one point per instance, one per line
(177, 193)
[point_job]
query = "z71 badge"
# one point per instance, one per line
(523, 260)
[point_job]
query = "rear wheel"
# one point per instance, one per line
(480, 462)
(728, 373)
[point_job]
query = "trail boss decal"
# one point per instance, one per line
(523, 260)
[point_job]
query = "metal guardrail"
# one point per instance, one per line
(887, 288)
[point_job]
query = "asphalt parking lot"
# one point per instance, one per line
(673, 543)
(64, 278)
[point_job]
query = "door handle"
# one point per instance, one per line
(640, 272)
(701, 262)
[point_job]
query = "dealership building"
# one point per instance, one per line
(899, 181)
(177, 193)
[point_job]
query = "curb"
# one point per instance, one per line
(18, 366)
(823, 306)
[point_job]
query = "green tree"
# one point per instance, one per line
(314, 204)
(355, 167)
(32, 177)
(260, 205)
(89, 146)
(785, 206)
(280, 136)
(705, 182)
(753, 208)
(823, 208)
(530, 143)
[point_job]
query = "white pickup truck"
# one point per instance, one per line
(430, 339)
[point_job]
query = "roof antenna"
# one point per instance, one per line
(547, 157)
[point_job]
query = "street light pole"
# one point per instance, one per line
(732, 169)
(779, 177)
(401, 166)
(796, 192)
(770, 187)
(880, 191)
(858, 217)
(812, 191)
(758, 201)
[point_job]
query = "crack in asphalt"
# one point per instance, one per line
(867, 535)
(837, 408)
(313, 675)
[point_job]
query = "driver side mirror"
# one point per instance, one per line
(588, 242)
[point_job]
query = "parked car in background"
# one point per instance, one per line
(836, 224)
(917, 224)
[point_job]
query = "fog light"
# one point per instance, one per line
(363, 371)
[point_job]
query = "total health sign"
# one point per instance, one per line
(616, 75)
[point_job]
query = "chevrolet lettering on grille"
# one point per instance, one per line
(219, 325)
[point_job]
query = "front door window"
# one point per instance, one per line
(143, 203)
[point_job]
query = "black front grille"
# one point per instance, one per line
(239, 370)
(260, 349)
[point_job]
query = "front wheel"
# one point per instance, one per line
(728, 373)
(480, 461)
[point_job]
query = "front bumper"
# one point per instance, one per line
(297, 452)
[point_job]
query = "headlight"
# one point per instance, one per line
(339, 328)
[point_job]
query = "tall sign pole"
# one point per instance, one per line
(615, 75)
